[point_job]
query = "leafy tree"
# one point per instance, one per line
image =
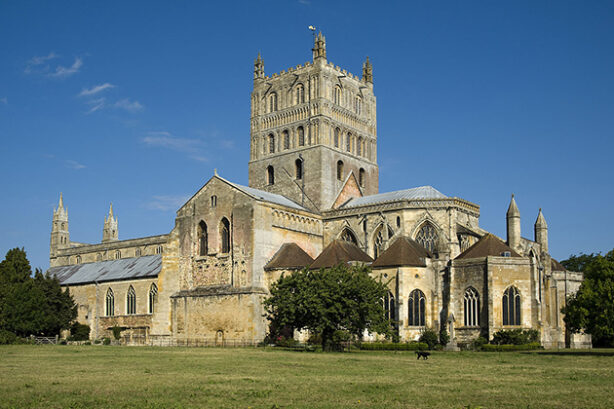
(327, 301)
(592, 308)
(31, 305)
(578, 263)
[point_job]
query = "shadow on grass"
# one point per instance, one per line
(576, 352)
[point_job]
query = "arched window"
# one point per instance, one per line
(225, 235)
(337, 135)
(159, 250)
(348, 142)
(109, 309)
(301, 136)
(361, 177)
(340, 170)
(286, 138)
(359, 146)
(153, 298)
(427, 237)
(416, 308)
(472, 307)
(511, 306)
(299, 168)
(398, 221)
(270, 174)
(271, 143)
(300, 94)
(131, 301)
(358, 105)
(379, 240)
(389, 307)
(273, 102)
(213, 201)
(118, 255)
(337, 95)
(78, 259)
(203, 239)
(137, 253)
(348, 236)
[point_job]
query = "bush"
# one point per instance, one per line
(444, 337)
(106, 341)
(117, 332)
(393, 346)
(429, 337)
(478, 343)
(515, 337)
(97, 341)
(79, 332)
(510, 347)
(285, 342)
(7, 337)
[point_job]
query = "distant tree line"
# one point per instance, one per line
(31, 304)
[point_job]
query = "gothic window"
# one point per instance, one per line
(301, 136)
(78, 259)
(337, 135)
(270, 174)
(225, 235)
(364, 225)
(153, 298)
(131, 301)
(472, 307)
(286, 138)
(511, 306)
(340, 170)
(358, 105)
(300, 94)
(416, 308)
(109, 309)
(348, 142)
(348, 236)
(273, 102)
(389, 307)
(271, 143)
(359, 147)
(337, 95)
(379, 240)
(427, 237)
(137, 253)
(118, 255)
(159, 250)
(213, 201)
(361, 177)
(299, 168)
(203, 242)
(398, 221)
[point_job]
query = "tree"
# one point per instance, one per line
(327, 301)
(592, 308)
(32, 305)
(578, 263)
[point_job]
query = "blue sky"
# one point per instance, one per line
(136, 103)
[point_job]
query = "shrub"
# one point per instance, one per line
(393, 346)
(106, 341)
(97, 341)
(79, 332)
(7, 337)
(117, 331)
(429, 337)
(287, 342)
(444, 337)
(515, 337)
(478, 343)
(510, 347)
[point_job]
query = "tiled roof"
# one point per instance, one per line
(268, 197)
(112, 270)
(488, 245)
(338, 252)
(290, 256)
(556, 266)
(402, 252)
(422, 192)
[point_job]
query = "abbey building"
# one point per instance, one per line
(313, 201)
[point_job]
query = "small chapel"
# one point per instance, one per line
(313, 201)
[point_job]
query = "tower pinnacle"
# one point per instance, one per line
(367, 71)
(109, 230)
(319, 47)
(258, 67)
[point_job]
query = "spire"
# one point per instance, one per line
(513, 225)
(60, 238)
(367, 71)
(258, 67)
(541, 231)
(110, 216)
(319, 47)
(60, 213)
(512, 210)
(109, 230)
(61, 204)
(541, 220)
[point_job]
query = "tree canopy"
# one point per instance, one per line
(32, 305)
(592, 308)
(336, 299)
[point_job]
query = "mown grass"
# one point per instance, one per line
(150, 377)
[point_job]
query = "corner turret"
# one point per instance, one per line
(319, 48)
(258, 68)
(513, 225)
(60, 237)
(109, 231)
(541, 231)
(367, 72)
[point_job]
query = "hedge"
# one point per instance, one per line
(391, 346)
(509, 347)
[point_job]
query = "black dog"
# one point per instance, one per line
(423, 354)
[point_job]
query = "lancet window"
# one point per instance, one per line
(153, 298)
(416, 309)
(225, 235)
(131, 301)
(109, 309)
(472, 307)
(203, 239)
(511, 306)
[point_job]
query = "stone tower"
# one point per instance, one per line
(541, 231)
(109, 231)
(60, 238)
(513, 225)
(313, 126)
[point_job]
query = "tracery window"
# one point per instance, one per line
(389, 307)
(472, 307)
(465, 241)
(361, 177)
(273, 102)
(159, 250)
(270, 171)
(416, 308)
(118, 255)
(301, 136)
(300, 94)
(286, 138)
(271, 143)
(379, 239)
(153, 298)
(427, 237)
(299, 168)
(348, 236)
(511, 306)
(131, 301)
(337, 134)
(203, 239)
(225, 235)
(337, 95)
(109, 309)
(340, 170)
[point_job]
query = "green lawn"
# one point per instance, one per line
(136, 377)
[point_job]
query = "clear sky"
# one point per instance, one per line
(136, 103)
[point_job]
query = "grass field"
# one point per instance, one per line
(139, 377)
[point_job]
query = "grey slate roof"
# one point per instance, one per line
(422, 192)
(112, 270)
(268, 197)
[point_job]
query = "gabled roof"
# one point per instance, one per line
(350, 189)
(339, 251)
(289, 256)
(422, 192)
(488, 245)
(403, 252)
(267, 196)
(556, 266)
(112, 270)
